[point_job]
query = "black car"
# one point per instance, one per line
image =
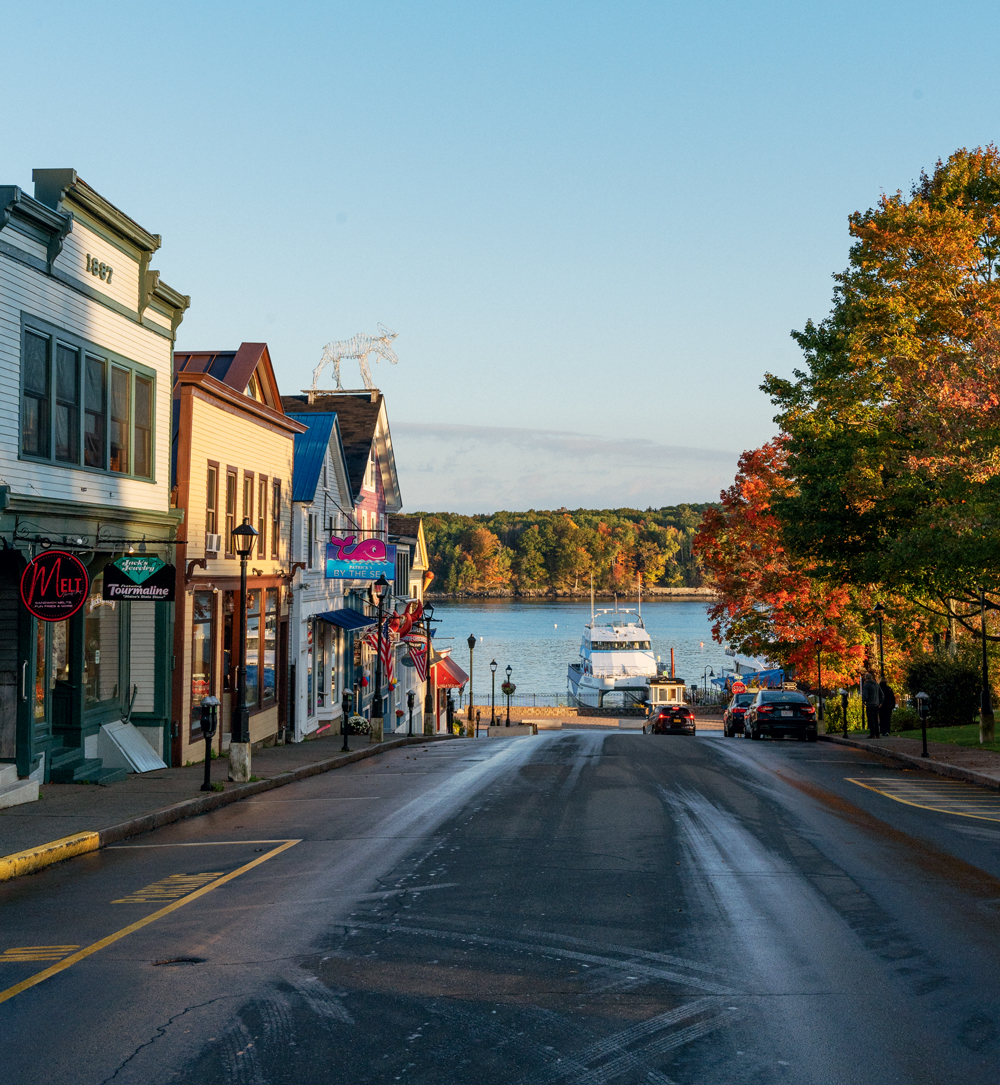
(734, 717)
(670, 719)
(781, 713)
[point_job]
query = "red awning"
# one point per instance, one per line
(448, 674)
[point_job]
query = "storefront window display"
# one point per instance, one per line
(101, 646)
(253, 648)
(269, 691)
(202, 643)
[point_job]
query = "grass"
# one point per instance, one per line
(967, 735)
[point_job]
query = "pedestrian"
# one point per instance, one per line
(871, 698)
(886, 707)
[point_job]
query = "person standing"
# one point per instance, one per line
(886, 707)
(871, 698)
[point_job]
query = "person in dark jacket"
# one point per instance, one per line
(886, 707)
(871, 698)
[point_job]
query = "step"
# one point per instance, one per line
(8, 774)
(89, 770)
(20, 791)
(64, 756)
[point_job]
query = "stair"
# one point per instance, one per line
(69, 766)
(13, 791)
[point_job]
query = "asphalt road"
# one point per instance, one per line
(581, 907)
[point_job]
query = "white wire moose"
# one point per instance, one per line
(360, 347)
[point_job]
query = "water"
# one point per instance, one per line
(539, 639)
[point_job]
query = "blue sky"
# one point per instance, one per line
(596, 220)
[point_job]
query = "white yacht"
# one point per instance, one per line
(616, 657)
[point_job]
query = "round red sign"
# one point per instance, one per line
(54, 585)
(738, 687)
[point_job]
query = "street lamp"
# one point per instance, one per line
(381, 589)
(345, 712)
(819, 676)
(472, 644)
(244, 538)
(986, 723)
(410, 698)
(493, 694)
(880, 617)
(209, 725)
(704, 680)
(428, 613)
(509, 670)
(922, 700)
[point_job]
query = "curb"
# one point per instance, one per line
(942, 768)
(34, 859)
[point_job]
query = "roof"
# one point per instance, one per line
(233, 367)
(405, 525)
(310, 452)
(448, 674)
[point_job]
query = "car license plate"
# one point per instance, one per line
(786, 713)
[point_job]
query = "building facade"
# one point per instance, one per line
(233, 458)
(86, 345)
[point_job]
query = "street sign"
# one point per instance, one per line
(739, 687)
(139, 578)
(54, 585)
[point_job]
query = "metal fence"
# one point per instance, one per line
(520, 700)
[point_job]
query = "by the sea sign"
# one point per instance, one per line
(54, 585)
(140, 577)
(365, 560)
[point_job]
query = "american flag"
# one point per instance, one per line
(418, 653)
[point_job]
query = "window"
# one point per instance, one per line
(230, 510)
(82, 406)
(310, 541)
(275, 518)
(212, 500)
(253, 648)
(100, 631)
(202, 642)
(269, 689)
(369, 482)
(248, 496)
(262, 517)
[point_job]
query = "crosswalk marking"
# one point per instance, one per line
(36, 953)
(944, 796)
(172, 888)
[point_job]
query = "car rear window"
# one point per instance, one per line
(786, 695)
(745, 698)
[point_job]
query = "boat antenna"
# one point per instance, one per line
(591, 597)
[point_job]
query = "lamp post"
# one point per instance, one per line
(345, 712)
(987, 727)
(843, 708)
(244, 538)
(704, 680)
(922, 699)
(472, 644)
(209, 725)
(879, 613)
(509, 670)
(428, 613)
(381, 588)
(410, 698)
(819, 675)
(493, 694)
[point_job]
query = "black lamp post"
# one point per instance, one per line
(472, 644)
(244, 538)
(209, 725)
(509, 669)
(410, 698)
(493, 694)
(819, 676)
(880, 618)
(922, 699)
(381, 588)
(843, 707)
(428, 613)
(345, 713)
(704, 681)
(987, 729)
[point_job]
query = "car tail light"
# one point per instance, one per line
(809, 710)
(764, 708)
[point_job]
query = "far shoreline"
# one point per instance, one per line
(555, 594)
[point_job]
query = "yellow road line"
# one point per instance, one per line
(31, 981)
(942, 806)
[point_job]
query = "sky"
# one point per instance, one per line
(592, 225)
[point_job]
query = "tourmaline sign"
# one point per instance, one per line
(54, 585)
(137, 577)
(365, 560)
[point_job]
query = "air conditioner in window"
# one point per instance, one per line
(213, 544)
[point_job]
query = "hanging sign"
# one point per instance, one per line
(140, 579)
(54, 585)
(365, 560)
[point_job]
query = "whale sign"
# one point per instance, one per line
(365, 560)
(54, 585)
(140, 579)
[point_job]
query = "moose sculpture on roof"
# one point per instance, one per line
(360, 347)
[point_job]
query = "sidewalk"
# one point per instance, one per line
(147, 801)
(946, 759)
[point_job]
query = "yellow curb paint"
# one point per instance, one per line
(31, 981)
(940, 806)
(32, 859)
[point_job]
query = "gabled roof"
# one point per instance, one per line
(358, 419)
(234, 368)
(404, 525)
(310, 451)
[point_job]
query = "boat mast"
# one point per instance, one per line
(640, 594)
(591, 598)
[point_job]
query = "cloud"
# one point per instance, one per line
(472, 469)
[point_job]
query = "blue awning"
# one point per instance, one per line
(346, 619)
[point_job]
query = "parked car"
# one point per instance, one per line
(780, 713)
(734, 717)
(670, 719)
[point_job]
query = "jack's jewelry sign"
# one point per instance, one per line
(365, 560)
(54, 585)
(140, 578)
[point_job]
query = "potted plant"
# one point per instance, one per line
(507, 689)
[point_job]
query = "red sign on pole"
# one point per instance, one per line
(54, 585)
(738, 687)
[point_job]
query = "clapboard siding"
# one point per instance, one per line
(81, 241)
(142, 655)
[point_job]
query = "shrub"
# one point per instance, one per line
(905, 719)
(952, 684)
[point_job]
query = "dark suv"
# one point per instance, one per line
(781, 713)
(670, 719)
(735, 715)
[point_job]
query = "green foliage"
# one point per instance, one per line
(953, 684)
(541, 550)
(905, 719)
(218, 786)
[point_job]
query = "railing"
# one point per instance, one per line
(519, 700)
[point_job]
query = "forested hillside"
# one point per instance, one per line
(531, 552)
